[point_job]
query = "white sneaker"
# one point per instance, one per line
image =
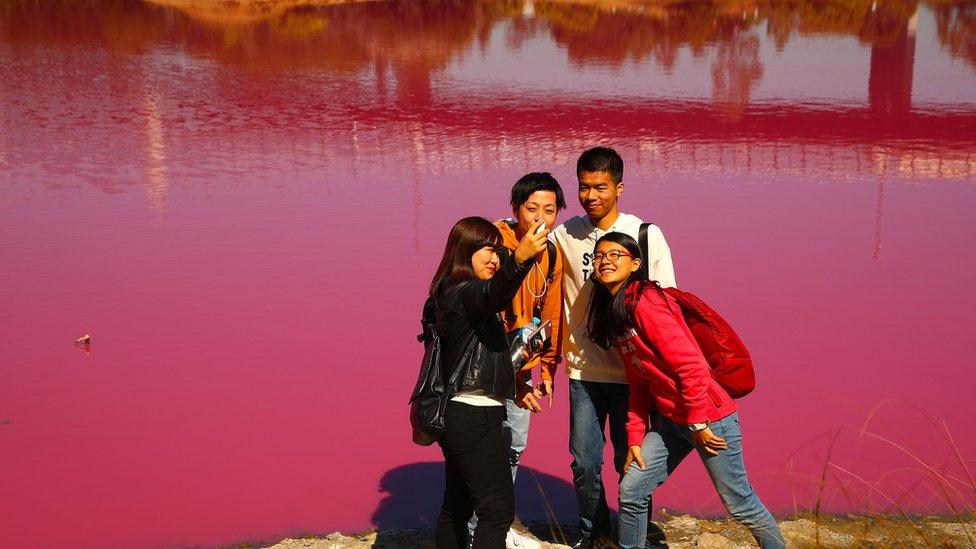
(515, 540)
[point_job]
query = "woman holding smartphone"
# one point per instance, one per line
(667, 372)
(469, 289)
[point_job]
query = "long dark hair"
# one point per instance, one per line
(611, 316)
(467, 237)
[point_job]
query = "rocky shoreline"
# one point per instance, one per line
(686, 532)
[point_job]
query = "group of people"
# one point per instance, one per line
(634, 368)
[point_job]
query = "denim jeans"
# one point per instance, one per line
(516, 427)
(663, 449)
(590, 405)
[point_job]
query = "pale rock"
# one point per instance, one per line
(682, 544)
(684, 524)
(708, 540)
(955, 532)
(803, 533)
(336, 540)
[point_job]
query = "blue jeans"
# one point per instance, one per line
(590, 405)
(516, 427)
(663, 449)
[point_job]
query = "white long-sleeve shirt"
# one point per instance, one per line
(576, 239)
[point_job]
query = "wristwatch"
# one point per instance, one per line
(695, 427)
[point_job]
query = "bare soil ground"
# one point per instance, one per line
(686, 532)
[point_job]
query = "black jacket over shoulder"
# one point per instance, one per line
(473, 336)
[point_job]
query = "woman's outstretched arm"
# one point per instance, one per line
(482, 297)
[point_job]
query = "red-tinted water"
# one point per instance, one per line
(243, 208)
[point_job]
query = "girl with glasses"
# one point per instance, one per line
(666, 372)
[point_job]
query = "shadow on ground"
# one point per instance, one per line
(414, 493)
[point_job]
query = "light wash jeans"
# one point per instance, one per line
(516, 426)
(663, 449)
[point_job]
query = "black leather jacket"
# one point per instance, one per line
(473, 336)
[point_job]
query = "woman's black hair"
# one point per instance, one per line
(467, 237)
(611, 316)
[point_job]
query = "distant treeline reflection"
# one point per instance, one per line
(340, 35)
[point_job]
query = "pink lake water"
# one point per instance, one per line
(243, 207)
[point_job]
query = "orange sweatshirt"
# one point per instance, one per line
(550, 303)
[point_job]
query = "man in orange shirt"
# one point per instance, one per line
(537, 196)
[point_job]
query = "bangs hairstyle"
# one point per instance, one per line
(601, 159)
(534, 182)
(467, 237)
(612, 316)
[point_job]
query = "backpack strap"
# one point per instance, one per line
(551, 250)
(642, 242)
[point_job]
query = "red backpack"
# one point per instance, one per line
(726, 354)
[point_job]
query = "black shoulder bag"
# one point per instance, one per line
(430, 395)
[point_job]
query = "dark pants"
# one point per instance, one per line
(478, 478)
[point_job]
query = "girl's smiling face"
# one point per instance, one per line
(613, 264)
(485, 262)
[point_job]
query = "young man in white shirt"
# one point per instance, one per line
(597, 386)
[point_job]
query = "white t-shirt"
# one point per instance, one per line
(576, 239)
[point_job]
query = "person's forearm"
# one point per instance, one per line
(547, 369)
(639, 404)
(637, 422)
(484, 297)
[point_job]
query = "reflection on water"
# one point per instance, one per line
(366, 73)
(230, 195)
(155, 155)
(956, 24)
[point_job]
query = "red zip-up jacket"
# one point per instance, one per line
(666, 369)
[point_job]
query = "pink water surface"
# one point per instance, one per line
(243, 208)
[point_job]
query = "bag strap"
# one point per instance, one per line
(461, 369)
(428, 319)
(551, 250)
(642, 242)
(644, 268)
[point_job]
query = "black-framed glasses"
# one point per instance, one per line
(612, 256)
